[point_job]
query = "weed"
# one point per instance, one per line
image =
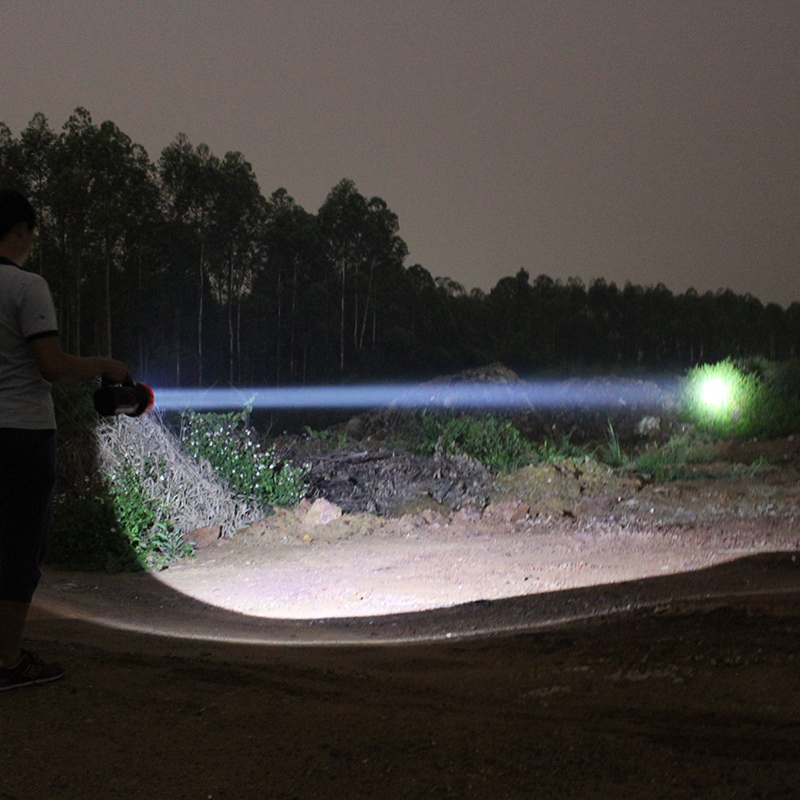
(230, 447)
(169, 544)
(141, 514)
(612, 453)
(328, 440)
(493, 441)
(673, 460)
(85, 533)
(563, 450)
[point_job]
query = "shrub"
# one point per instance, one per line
(161, 493)
(84, 533)
(671, 461)
(491, 440)
(737, 399)
(230, 447)
(128, 495)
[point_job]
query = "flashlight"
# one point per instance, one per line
(134, 400)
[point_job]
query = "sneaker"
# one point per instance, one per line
(30, 669)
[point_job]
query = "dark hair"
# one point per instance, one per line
(15, 208)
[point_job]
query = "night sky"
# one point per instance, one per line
(634, 141)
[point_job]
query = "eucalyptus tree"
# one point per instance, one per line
(777, 332)
(103, 198)
(190, 185)
(11, 171)
(35, 164)
(361, 242)
(510, 321)
(26, 164)
(37, 145)
(123, 207)
(285, 288)
(73, 178)
(792, 317)
(384, 257)
(604, 305)
(238, 224)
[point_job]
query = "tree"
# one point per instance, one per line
(360, 240)
(238, 226)
(10, 159)
(124, 203)
(190, 182)
(291, 256)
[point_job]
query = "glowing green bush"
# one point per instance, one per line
(727, 399)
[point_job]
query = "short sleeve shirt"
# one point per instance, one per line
(26, 313)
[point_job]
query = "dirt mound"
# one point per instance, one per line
(390, 481)
(372, 471)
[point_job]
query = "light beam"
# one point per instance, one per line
(544, 394)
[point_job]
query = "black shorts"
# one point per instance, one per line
(27, 483)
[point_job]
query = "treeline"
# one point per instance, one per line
(184, 268)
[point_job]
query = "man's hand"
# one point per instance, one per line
(57, 366)
(116, 372)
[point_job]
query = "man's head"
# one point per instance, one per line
(17, 225)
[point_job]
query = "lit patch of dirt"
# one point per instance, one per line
(541, 529)
(614, 637)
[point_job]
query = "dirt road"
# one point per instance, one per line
(632, 654)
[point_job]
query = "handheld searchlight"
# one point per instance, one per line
(134, 400)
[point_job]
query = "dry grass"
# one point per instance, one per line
(194, 496)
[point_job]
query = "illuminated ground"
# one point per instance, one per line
(680, 699)
(677, 686)
(361, 578)
(585, 527)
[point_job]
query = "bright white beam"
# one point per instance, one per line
(583, 394)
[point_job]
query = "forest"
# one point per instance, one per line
(184, 268)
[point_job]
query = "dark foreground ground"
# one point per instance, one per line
(687, 699)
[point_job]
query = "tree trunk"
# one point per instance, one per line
(107, 279)
(230, 321)
(200, 318)
(341, 326)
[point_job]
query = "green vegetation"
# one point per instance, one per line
(328, 440)
(143, 517)
(230, 446)
(612, 452)
(129, 493)
(492, 440)
(742, 399)
(673, 460)
(85, 533)
(562, 450)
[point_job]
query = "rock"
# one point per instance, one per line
(432, 517)
(258, 528)
(468, 513)
(507, 511)
(322, 512)
(597, 506)
(356, 428)
(647, 426)
(412, 521)
(204, 537)
(302, 508)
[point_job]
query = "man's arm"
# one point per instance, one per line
(57, 366)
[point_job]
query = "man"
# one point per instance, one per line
(31, 359)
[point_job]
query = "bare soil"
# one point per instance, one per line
(588, 634)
